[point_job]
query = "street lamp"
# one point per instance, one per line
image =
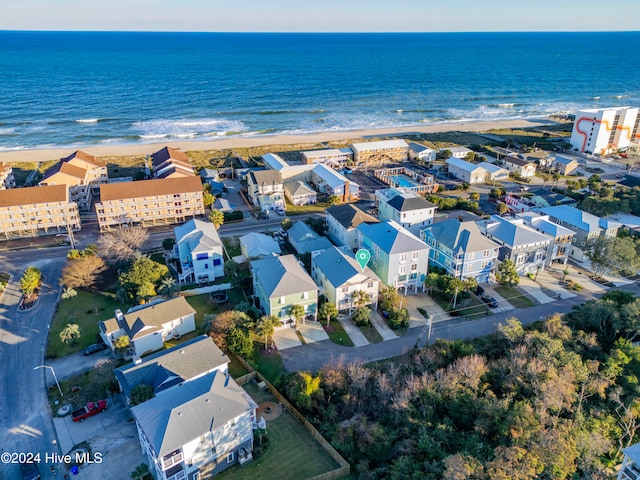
(54, 376)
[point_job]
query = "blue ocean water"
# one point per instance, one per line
(91, 88)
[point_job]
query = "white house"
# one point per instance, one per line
(299, 193)
(196, 430)
(406, 208)
(399, 258)
(495, 173)
(199, 250)
(330, 182)
(457, 152)
(603, 130)
(265, 189)
(524, 168)
(148, 326)
(338, 275)
(342, 222)
(420, 152)
(335, 157)
(466, 171)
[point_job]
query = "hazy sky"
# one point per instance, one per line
(321, 16)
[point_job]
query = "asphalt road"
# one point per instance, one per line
(25, 421)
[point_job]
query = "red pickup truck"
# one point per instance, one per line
(88, 410)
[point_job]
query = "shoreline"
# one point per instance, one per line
(476, 126)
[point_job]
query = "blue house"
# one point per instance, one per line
(461, 249)
(199, 250)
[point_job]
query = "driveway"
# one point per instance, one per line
(424, 301)
(75, 364)
(351, 329)
(382, 327)
(312, 332)
(286, 338)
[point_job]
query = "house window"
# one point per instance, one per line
(281, 300)
(370, 285)
(402, 269)
(414, 266)
(345, 289)
(403, 257)
(206, 265)
(471, 255)
(305, 295)
(217, 262)
(414, 255)
(230, 458)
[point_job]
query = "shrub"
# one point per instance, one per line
(399, 318)
(232, 216)
(68, 293)
(361, 317)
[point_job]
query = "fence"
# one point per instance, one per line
(344, 468)
(209, 289)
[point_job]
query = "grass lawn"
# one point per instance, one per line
(338, 335)
(231, 247)
(371, 334)
(86, 310)
(472, 308)
(290, 453)
(270, 366)
(96, 384)
(319, 207)
(514, 296)
(236, 368)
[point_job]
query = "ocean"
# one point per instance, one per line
(73, 89)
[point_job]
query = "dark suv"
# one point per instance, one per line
(94, 348)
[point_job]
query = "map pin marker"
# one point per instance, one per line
(363, 256)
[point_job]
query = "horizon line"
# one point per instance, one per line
(390, 32)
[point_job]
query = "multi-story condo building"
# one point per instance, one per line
(7, 179)
(33, 211)
(562, 236)
(149, 202)
(171, 163)
(603, 130)
(336, 157)
(81, 173)
(398, 258)
(374, 154)
(461, 249)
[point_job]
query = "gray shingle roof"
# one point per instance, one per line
(392, 237)
(512, 233)
(177, 416)
(170, 367)
(460, 237)
(304, 239)
(406, 203)
(350, 216)
(267, 177)
(151, 318)
(201, 236)
(282, 276)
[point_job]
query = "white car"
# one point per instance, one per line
(280, 211)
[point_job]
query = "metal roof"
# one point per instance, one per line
(392, 237)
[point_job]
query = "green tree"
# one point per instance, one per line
(208, 199)
(502, 208)
(265, 326)
(168, 243)
(474, 196)
(70, 333)
(142, 277)
(140, 472)
(122, 342)
(239, 342)
(168, 287)
(360, 298)
(218, 326)
(602, 255)
(333, 200)
(390, 299)
(361, 316)
(216, 217)
(302, 387)
(432, 281)
(507, 273)
(328, 310)
(30, 280)
(286, 223)
(140, 393)
(296, 312)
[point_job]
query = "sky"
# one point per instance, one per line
(321, 16)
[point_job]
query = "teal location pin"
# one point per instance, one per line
(363, 256)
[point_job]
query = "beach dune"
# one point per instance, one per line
(244, 142)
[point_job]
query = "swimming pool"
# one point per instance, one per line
(404, 181)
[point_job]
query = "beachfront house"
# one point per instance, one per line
(148, 326)
(421, 153)
(519, 166)
(257, 245)
(523, 245)
(279, 283)
(198, 429)
(460, 249)
(562, 236)
(338, 275)
(587, 227)
(299, 193)
(330, 182)
(456, 152)
(405, 207)
(334, 157)
(398, 257)
(342, 224)
(266, 189)
(466, 171)
(305, 239)
(198, 249)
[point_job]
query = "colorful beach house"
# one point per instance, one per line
(198, 249)
(342, 224)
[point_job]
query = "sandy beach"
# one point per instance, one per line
(243, 142)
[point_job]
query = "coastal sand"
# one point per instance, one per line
(243, 142)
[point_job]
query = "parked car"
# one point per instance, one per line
(29, 471)
(492, 302)
(347, 170)
(94, 348)
(479, 290)
(262, 215)
(90, 409)
(283, 233)
(280, 211)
